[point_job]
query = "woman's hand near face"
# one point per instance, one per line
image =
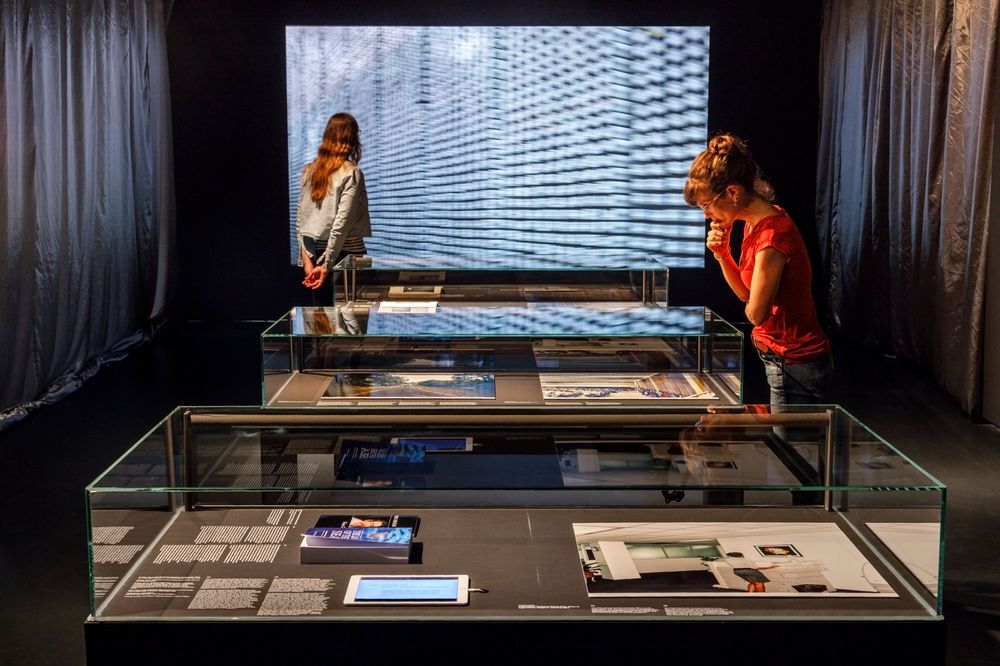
(717, 240)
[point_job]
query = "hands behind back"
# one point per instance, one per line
(315, 278)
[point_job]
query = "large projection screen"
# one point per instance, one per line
(560, 143)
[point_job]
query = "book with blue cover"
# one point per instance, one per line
(380, 463)
(359, 537)
(368, 520)
(356, 545)
(353, 452)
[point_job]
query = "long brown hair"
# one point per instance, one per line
(341, 141)
(726, 161)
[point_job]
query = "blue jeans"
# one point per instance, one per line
(797, 383)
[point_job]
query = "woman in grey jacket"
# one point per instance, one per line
(332, 218)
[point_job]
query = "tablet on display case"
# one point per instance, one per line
(444, 590)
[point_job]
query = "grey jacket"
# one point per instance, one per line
(342, 213)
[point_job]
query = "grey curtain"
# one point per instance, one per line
(908, 97)
(86, 190)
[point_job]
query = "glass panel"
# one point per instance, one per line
(508, 354)
(580, 277)
(644, 552)
(403, 319)
(807, 502)
(584, 262)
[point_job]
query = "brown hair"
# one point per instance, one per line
(725, 162)
(321, 322)
(341, 141)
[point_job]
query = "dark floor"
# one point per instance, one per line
(53, 454)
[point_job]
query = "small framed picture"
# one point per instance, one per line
(720, 464)
(782, 550)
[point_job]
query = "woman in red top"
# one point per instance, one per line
(773, 275)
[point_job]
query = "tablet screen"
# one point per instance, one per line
(407, 589)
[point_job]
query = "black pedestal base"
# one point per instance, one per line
(607, 640)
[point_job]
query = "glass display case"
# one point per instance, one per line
(555, 515)
(584, 276)
(460, 354)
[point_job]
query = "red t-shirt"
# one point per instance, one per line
(792, 331)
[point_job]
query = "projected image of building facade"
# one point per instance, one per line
(563, 143)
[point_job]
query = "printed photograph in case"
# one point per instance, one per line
(597, 361)
(450, 359)
(620, 355)
(626, 386)
(600, 345)
(385, 385)
(624, 463)
(723, 559)
(607, 462)
(918, 547)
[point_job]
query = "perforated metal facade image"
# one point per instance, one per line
(563, 142)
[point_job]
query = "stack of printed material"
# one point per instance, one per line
(359, 540)
(356, 545)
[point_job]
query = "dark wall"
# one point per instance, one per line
(227, 71)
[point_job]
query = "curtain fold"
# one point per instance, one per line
(88, 212)
(908, 91)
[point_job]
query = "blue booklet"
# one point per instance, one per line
(356, 545)
(377, 463)
(355, 452)
(359, 537)
(368, 520)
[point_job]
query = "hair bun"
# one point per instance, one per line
(726, 144)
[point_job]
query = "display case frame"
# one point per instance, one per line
(216, 495)
(469, 354)
(643, 279)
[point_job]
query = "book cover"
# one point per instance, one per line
(367, 520)
(354, 452)
(402, 462)
(360, 537)
(356, 545)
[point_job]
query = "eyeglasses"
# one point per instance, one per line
(706, 206)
